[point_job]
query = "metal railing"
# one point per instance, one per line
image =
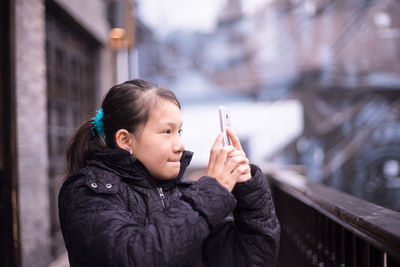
(321, 226)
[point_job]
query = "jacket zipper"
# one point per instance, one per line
(162, 196)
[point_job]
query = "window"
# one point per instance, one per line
(71, 60)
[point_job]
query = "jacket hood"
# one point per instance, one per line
(123, 164)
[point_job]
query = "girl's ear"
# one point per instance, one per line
(123, 139)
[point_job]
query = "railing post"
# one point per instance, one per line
(362, 253)
(376, 257)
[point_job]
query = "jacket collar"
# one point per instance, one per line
(123, 164)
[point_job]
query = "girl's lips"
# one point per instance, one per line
(174, 161)
(175, 164)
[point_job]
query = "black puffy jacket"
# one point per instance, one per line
(113, 214)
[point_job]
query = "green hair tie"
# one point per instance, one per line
(97, 123)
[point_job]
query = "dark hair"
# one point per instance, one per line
(126, 106)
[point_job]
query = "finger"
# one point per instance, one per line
(222, 156)
(236, 153)
(214, 150)
(241, 170)
(246, 168)
(241, 160)
(235, 141)
(235, 162)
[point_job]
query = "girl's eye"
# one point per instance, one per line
(167, 131)
(180, 131)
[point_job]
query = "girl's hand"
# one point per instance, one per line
(228, 165)
(240, 156)
(226, 172)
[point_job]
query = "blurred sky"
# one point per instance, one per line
(188, 15)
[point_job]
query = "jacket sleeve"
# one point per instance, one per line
(99, 231)
(251, 238)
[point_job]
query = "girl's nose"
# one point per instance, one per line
(178, 144)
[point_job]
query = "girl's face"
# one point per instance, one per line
(159, 144)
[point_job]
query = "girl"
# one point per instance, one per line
(125, 202)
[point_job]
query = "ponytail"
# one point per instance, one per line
(83, 144)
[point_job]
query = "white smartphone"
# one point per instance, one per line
(225, 122)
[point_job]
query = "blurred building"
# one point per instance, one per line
(57, 61)
(339, 58)
(348, 79)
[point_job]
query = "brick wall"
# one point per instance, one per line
(32, 114)
(31, 132)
